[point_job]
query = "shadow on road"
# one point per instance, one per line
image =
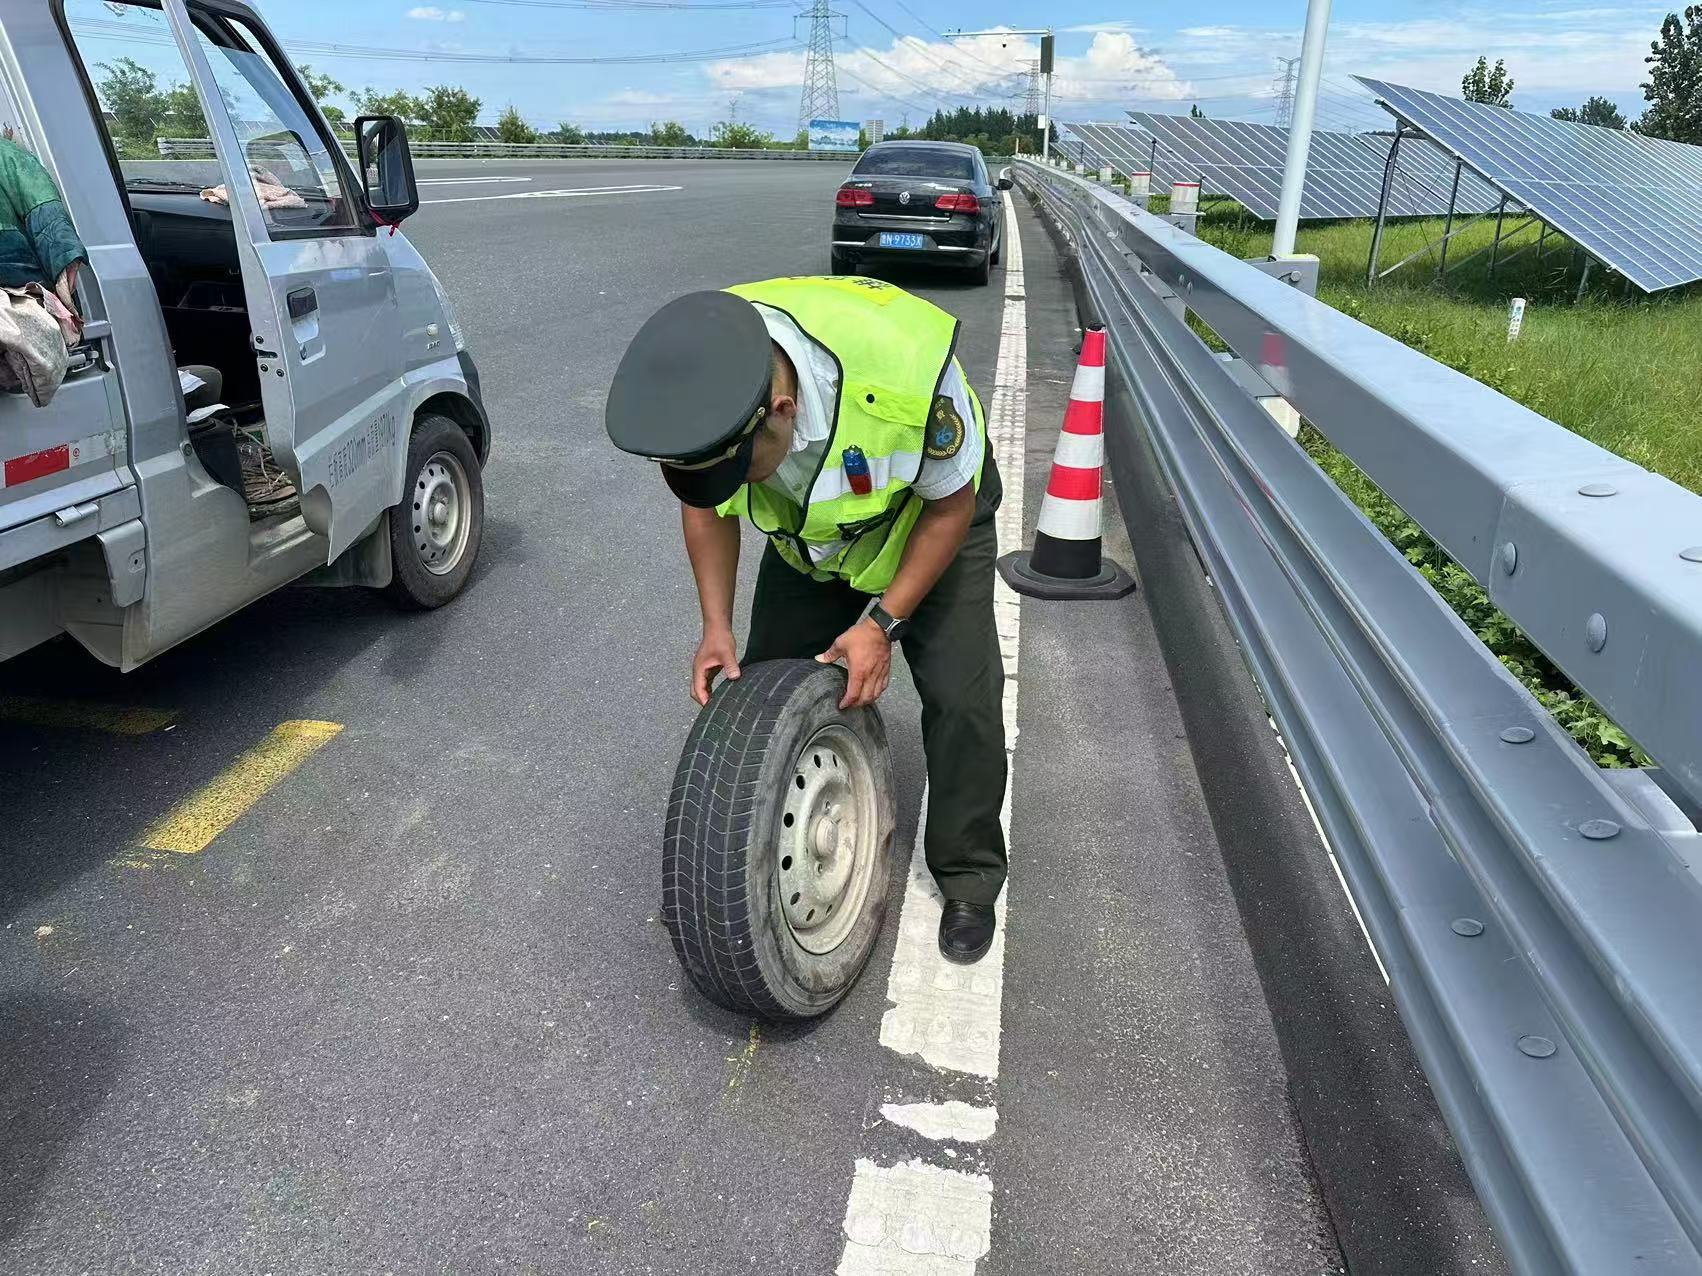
(57, 1060)
(76, 797)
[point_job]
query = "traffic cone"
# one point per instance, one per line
(1066, 561)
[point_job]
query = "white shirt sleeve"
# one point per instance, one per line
(940, 478)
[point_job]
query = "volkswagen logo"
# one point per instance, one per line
(904, 197)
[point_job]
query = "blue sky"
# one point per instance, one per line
(1219, 53)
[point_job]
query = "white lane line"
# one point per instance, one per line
(917, 1219)
(949, 1015)
(468, 181)
(569, 193)
(954, 1119)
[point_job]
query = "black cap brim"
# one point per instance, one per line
(709, 487)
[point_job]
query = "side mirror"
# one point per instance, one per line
(1005, 180)
(386, 167)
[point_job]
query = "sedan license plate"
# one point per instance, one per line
(900, 239)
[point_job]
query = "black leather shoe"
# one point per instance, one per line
(966, 931)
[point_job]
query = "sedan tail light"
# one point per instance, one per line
(958, 204)
(854, 197)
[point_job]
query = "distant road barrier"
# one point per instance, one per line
(1539, 918)
(202, 148)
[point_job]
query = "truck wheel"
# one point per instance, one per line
(776, 854)
(436, 528)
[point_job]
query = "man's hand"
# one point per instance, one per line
(717, 653)
(868, 659)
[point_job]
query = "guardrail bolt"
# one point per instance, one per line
(1536, 1047)
(1599, 830)
(1691, 555)
(1518, 735)
(1470, 927)
(1598, 489)
(1509, 558)
(1595, 631)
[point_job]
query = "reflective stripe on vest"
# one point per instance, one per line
(892, 351)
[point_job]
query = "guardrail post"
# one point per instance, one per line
(1184, 211)
(1140, 188)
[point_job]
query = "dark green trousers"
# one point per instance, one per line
(953, 652)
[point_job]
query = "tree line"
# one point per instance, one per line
(1673, 89)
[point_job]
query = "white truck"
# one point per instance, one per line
(128, 517)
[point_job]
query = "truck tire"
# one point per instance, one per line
(777, 852)
(436, 528)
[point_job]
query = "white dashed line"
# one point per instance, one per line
(917, 1219)
(569, 193)
(955, 1120)
(468, 181)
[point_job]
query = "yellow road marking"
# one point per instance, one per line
(196, 821)
(115, 718)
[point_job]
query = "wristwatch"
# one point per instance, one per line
(890, 625)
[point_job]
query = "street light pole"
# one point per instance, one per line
(1300, 128)
(1046, 121)
(1046, 37)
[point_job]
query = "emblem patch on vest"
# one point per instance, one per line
(945, 430)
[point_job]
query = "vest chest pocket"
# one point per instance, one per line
(896, 407)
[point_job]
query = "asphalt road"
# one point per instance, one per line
(414, 1011)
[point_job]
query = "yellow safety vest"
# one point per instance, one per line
(893, 351)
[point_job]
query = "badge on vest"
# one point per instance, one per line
(945, 430)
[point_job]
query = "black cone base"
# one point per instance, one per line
(1110, 581)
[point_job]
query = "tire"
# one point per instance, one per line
(982, 271)
(842, 265)
(772, 770)
(998, 249)
(431, 560)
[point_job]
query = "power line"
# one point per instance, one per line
(621, 6)
(322, 49)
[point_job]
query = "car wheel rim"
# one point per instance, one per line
(441, 514)
(826, 848)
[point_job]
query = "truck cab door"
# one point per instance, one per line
(322, 307)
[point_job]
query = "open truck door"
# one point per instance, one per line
(327, 333)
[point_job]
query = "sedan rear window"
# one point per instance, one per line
(917, 161)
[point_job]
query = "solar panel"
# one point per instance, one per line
(1344, 173)
(1632, 202)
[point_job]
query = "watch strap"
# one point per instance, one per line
(890, 625)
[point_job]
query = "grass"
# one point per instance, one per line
(1618, 368)
(1613, 366)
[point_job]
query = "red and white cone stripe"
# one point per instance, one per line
(1071, 508)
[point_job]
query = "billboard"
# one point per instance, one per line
(833, 135)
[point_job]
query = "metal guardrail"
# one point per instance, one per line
(1540, 919)
(202, 148)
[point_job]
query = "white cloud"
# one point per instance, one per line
(639, 97)
(431, 13)
(1110, 24)
(986, 70)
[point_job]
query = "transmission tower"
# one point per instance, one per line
(820, 100)
(1031, 104)
(1284, 87)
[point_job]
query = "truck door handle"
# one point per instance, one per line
(302, 302)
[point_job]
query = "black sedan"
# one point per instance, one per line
(929, 200)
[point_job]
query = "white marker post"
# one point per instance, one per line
(1515, 318)
(1140, 188)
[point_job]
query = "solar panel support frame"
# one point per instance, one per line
(1383, 202)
